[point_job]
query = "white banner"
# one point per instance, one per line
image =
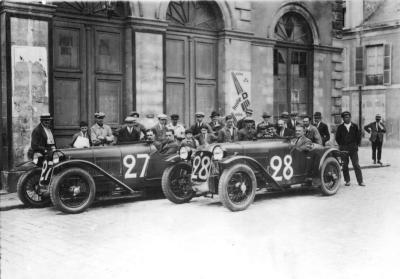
(239, 93)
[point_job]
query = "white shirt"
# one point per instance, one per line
(179, 130)
(347, 126)
(49, 134)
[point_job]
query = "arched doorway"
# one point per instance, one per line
(293, 62)
(191, 58)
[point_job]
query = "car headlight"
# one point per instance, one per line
(56, 158)
(184, 153)
(36, 157)
(218, 153)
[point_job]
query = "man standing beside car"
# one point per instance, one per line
(160, 128)
(42, 139)
(321, 127)
(348, 136)
(100, 133)
(376, 129)
(128, 134)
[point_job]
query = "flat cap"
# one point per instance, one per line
(284, 114)
(317, 114)
(345, 113)
(174, 116)
(161, 116)
(248, 119)
(199, 113)
(188, 131)
(134, 113)
(45, 116)
(293, 113)
(249, 110)
(130, 119)
(99, 115)
(378, 115)
(228, 117)
(214, 113)
(266, 115)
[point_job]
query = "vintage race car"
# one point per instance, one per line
(235, 171)
(72, 178)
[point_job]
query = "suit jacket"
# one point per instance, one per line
(247, 134)
(313, 134)
(224, 135)
(348, 140)
(290, 125)
(210, 138)
(286, 133)
(169, 148)
(39, 141)
(196, 128)
(240, 124)
(159, 132)
(75, 136)
(376, 134)
(125, 137)
(262, 129)
(323, 131)
(192, 143)
(216, 126)
(302, 143)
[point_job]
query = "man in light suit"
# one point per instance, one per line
(229, 133)
(376, 129)
(311, 132)
(160, 128)
(205, 137)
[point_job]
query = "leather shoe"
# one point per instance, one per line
(361, 184)
(347, 183)
(379, 162)
(374, 162)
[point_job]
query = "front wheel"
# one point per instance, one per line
(237, 187)
(72, 190)
(176, 183)
(30, 192)
(330, 176)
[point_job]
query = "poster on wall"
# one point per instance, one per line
(239, 94)
(30, 97)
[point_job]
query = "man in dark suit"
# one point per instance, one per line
(128, 134)
(284, 132)
(348, 136)
(170, 145)
(321, 127)
(241, 123)
(262, 127)
(215, 123)
(206, 137)
(292, 122)
(200, 123)
(229, 133)
(248, 132)
(42, 139)
(376, 129)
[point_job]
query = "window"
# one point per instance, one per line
(374, 65)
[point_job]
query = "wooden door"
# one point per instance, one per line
(191, 76)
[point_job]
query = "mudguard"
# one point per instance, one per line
(228, 161)
(173, 159)
(334, 152)
(80, 163)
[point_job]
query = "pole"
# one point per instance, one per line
(359, 106)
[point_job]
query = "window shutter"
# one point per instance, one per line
(359, 65)
(387, 64)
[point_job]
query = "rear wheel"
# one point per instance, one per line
(330, 176)
(72, 190)
(29, 191)
(237, 187)
(176, 183)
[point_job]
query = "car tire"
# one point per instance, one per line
(331, 176)
(230, 192)
(63, 187)
(177, 193)
(29, 183)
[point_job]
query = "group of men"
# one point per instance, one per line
(167, 137)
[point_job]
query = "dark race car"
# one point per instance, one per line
(72, 178)
(235, 171)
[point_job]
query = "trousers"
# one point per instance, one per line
(376, 146)
(353, 156)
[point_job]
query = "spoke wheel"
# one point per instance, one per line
(237, 187)
(330, 176)
(73, 190)
(176, 183)
(29, 191)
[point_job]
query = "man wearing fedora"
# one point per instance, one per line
(348, 136)
(42, 139)
(128, 134)
(321, 127)
(200, 123)
(241, 123)
(215, 123)
(100, 133)
(376, 129)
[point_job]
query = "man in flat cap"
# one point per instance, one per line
(292, 121)
(241, 122)
(248, 132)
(128, 134)
(348, 136)
(229, 133)
(321, 127)
(196, 128)
(263, 126)
(376, 129)
(100, 133)
(137, 125)
(215, 123)
(160, 128)
(179, 130)
(205, 137)
(42, 139)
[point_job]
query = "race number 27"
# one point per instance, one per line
(130, 163)
(276, 165)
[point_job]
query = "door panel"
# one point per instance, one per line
(108, 51)
(67, 102)
(176, 52)
(67, 48)
(299, 82)
(175, 97)
(205, 59)
(205, 98)
(280, 81)
(108, 99)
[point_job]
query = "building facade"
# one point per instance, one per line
(371, 51)
(74, 58)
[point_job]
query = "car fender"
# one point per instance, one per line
(175, 158)
(334, 152)
(252, 163)
(80, 163)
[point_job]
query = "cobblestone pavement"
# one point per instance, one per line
(354, 234)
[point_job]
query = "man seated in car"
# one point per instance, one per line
(82, 138)
(128, 134)
(301, 142)
(248, 132)
(189, 140)
(205, 137)
(167, 146)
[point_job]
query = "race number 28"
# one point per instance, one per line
(130, 163)
(276, 165)
(201, 167)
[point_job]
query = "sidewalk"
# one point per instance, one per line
(10, 200)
